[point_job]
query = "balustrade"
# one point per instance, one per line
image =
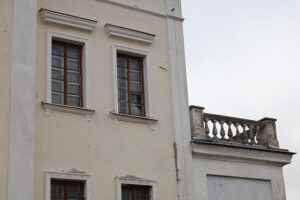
(212, 127)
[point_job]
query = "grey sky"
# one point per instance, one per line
(243, 59)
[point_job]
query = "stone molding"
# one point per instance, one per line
(69, 109)
(49, 16)
(133, 118)
(242, 154)
(127, 33)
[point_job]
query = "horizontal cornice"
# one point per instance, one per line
(54, 17)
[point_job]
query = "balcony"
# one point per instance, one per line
(233, 131)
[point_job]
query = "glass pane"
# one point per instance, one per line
(57, 191)
(73, 88)
(57, 85)
(73, 100)
(135, 75)
(136, 109)
(57, 61)
(73, 64)
(74, 192)
(57, 49)
(73, 52)
(57, 73)
(125, 195)
(123, 95)
(122, 72)
(73, 77)
(134, 64)
(121, 62)
(123, 107)
(135, 86)
(57, 98)
(136, 98)
(122, 84)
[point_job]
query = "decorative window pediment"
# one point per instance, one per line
(49, 16)
(127, 33)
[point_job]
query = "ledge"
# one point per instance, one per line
(127, 33)
(133, 118)
(236, 153)
(49, 16)
(69, 109)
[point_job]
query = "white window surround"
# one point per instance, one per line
(68, 176)
(86, 86)
(132, 180)
(147, 82)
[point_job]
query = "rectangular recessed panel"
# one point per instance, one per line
(233, 188)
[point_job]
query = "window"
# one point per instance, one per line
(66, 74)
(130, 85)
(134, 188)
(135, 192)
(68, 186)
(67, 190)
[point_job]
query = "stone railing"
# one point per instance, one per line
(225, 129)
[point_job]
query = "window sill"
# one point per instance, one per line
(69, 109)
(133, 118)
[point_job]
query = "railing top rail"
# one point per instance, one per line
(233, 119)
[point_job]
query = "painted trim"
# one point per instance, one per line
(133, 118)
(86, 60)
(147, 79)
(127, 33)
(132, 180)
(235, 154)
(53, 17)
(68, 176)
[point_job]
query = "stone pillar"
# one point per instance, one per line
(22, 100)
(197, 122)
(268, 135)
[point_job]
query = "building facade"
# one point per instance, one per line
(94, 105)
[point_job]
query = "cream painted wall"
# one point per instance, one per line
(101, 148)
(5, 52)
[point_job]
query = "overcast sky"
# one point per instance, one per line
(243, 60)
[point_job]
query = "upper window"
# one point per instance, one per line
(136, 192)
(66, 74)
(131, 97)
(67, 190)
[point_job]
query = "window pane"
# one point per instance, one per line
(57, 61)
(73, 76)
(125, 195)
(57, 85)
(73, 52)
(73, 64)
(57, 191)
(123, 107)
(122, 84)
(135, 86)
(123, 95)
(57, 98)
(74, 192)
(73, 100)
(57, 49)
(135, 75)
(136, 109)
(134, 64)
(121, 61)
(57, 73)
(73, 88)
(136, 99)
(122, 72)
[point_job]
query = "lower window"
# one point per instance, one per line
(136, 192)
(67, 190)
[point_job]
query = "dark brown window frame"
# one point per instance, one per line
(142, 93)
(67, 183)
(65, 45)
(145, 189)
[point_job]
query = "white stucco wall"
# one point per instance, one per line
(100, 147)
(5, 52)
